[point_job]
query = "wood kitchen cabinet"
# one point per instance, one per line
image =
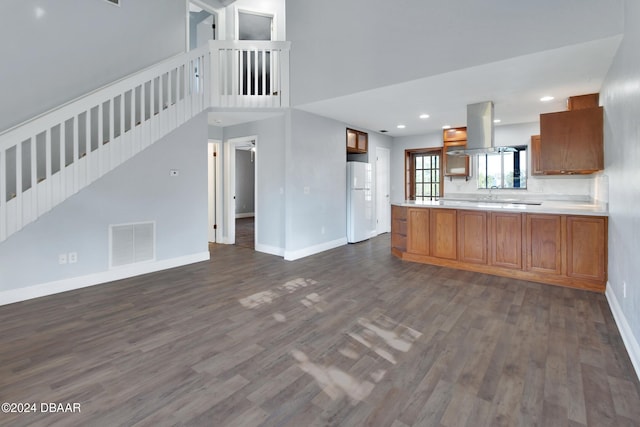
(472, 236)
(587, 247)
(505, 239)
(443, 236)
(455, 139)
(399, 228)
(418, 231)
(572, 142)
(543, 243)
(535, 156)
(565, 250)
(357, 141)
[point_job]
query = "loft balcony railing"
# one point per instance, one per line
(249, 74)
(47, 159)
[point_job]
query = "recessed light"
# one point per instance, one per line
(401, 126)
(424, 116)
(446, 127)
(546, 98)
(496, 121)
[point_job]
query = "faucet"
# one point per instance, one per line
(491, 191)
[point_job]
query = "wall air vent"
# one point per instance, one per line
(131, 243)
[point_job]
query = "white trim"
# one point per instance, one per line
(214, 145)
(268, 14)
(630, 342)
(271, 250)
(245, 215)
(22, 294)
(311, 250)
(230, 186)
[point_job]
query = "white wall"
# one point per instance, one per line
(520, 134)
(67, 48)
(270, 168)
(398, 42)
(140, 190)
(245, 182)
(620, 97)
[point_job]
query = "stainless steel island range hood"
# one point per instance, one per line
(480, 131)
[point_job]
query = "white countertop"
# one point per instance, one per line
(568, 207)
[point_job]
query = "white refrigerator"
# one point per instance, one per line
(360, 208)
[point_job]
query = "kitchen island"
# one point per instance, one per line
(554, 242)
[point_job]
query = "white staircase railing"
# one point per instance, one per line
(249, 74)
(53, 156)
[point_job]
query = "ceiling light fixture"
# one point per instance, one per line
(497, 121)
(546, 98)
(424, 116)
(401, 126)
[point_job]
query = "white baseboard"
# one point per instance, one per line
(22, 294)
(311, 250)
(245, 215)
(630, 342)
(272, 250)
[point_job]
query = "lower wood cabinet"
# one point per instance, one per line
(566, 250)
(443, 241)
(543, 243)
(418, 231)
(472, 237)
(505, 240)
(587, 247)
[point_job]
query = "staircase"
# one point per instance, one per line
(53, 156)
(49, 158)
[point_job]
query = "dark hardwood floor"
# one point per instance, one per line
(349, 337)
(245, 232)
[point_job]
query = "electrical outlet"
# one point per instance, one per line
(307, 190)
(62, 258)
(624, 289)
(72, 257)
(322, 230)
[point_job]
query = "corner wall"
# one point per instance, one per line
(620, 97)
(139, 190)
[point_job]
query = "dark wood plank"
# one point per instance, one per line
(348, 337)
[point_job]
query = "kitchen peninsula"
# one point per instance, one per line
(553, 242)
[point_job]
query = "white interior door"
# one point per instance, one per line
(383, 187)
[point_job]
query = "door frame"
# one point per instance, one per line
(230, 187)
(214, 192)
(383, 193)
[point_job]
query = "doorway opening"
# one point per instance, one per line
(202, 25)
(241, 171)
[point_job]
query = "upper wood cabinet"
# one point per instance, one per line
(455, 139)
(357, 141)
(571, 142)
(535, 156)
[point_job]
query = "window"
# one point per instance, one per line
(423, 178)
(503, 170)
